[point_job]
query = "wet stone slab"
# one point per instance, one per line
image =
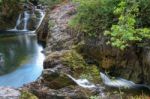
(9, 93)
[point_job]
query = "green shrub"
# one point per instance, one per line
(126, 31)
(125, 22)
(94, 16)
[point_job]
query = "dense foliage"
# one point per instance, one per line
(125, 22)
(95, 16)
(50, 3)
(126, 31)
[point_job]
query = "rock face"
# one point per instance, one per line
(42, 31)
(132, 64)
(7, 13)
(59, 34)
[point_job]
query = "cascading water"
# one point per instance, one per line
(17, 23)
(26, 18)
(22, 54)
(1, 60)
(42, 15)
(87, 84)
(23, 21)
(83, 82)
(122, 83)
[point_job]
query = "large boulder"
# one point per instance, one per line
(56, 80)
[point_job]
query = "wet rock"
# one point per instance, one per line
(9, 93)
(56, 80)
(70, 92)
(53, 59)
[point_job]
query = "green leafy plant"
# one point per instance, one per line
(125, 31)
(124, 22)
(93, 16)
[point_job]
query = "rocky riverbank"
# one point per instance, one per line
(63, 59)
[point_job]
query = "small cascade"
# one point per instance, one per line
(87, 84)
(42, 15)
(1, 60)
(18, 22)
(23, 21)
(122, 83)
(83, 82)
(119, 83)
(26, 18)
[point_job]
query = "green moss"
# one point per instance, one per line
(27, 95)
(93, 73)
(80, 67)
(74, 60)
(50, 23)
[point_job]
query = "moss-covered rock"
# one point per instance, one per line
(74, 60)
(69, 62)
(27, 95)
(56, 80)
(79, 66)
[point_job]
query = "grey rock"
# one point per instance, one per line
(9, 93)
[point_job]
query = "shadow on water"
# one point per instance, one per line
(23, 60)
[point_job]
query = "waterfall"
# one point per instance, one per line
(42, 15)
(24, 21)
(1, 60)
(26, 18)
(121, 83)
(18, 22)
(117, 82)
(87, 84)
(82, 82)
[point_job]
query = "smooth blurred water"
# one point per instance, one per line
(23, 59)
